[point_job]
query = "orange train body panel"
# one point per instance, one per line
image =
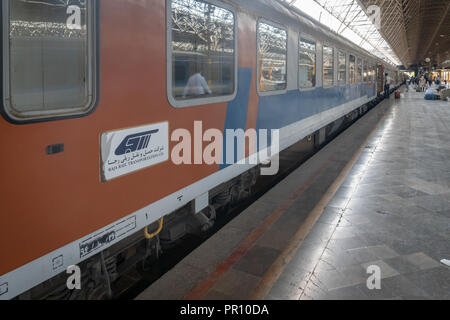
(50, 201)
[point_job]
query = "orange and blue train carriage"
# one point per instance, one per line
(92, 93)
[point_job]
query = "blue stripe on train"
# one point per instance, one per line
(275, 112)
(238, 109)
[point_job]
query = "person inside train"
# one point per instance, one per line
(196, 86)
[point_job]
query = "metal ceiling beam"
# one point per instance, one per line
(354, 24)
(410, 27)
(438, 28)
(388, 31)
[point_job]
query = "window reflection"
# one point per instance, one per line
(307, 64)
(272, 57)
(366, 71)
(203, 50)
(328, 66)
(360, 70)
(342, 74)
(49, 56)
(352, 69)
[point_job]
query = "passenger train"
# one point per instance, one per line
(93, 92)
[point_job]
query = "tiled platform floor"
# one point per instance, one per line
(392, 210)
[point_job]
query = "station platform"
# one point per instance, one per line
(377, 195)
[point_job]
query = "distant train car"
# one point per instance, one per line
(93, 93)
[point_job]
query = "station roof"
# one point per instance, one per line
(416, 29)
(408, 32)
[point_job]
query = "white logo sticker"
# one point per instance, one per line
(126, 151)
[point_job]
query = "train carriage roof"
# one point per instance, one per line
(282, 13)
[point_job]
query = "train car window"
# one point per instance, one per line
(342, 73)
(50, 59)
(372, 73)
(352, 69)
(328, 66)
(202, 45)
(272, 58)
(307, 63)
(366, 71)
(360, 70)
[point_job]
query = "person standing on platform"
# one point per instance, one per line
(437, 81)
(387, 86)
(422, 83)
